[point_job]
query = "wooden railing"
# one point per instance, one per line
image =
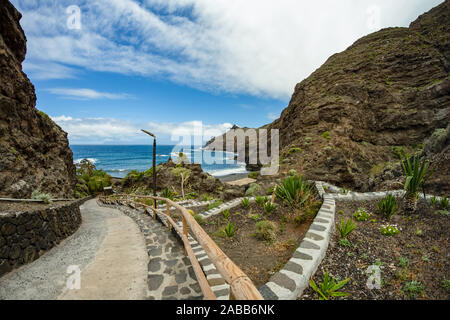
(241, 287)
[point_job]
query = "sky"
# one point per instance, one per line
(104, 69)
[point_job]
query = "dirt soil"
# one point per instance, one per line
(423, 240)
(257, 258)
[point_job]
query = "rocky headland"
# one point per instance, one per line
(34, 151)
(382, 98)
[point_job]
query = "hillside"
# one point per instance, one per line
(383, 96)
(34, 151)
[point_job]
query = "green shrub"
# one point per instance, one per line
(269, 207)
(213, 205)
(403, 262)
(229, 230)
(294, 191)
(387, 206)
(265, 230)
(413, 288)
(226, 214)
(389, 230)
(148, 202)
(199, 219)
(310, 212)
(254, 175)
(326, 135)
(269, 190)
(253, 190)
(328, 287)
(446, 285)
(167, 193)
(192, 195)
(294, 150)
(361, 215)
(207, 198)
(444, 203)
(433, 201)
(44, 197)
(259, 200)
(292, 172)
(345, 227)
(245, 203)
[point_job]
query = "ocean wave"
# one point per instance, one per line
(117, 170)
(92, 160)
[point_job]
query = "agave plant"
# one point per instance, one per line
(294, 191)
(259, 200)
(345, 227)
(417, 173)
(387, 206)
(269, 207)
(328, 287)
(229, 229)
(245, 203)
(226, 214)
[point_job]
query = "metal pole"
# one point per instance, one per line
(154, 159)
(154, 166)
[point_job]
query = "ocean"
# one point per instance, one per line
(118, 160)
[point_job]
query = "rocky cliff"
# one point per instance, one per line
(385, 94)
(34, 151)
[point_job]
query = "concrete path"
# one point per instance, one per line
(108, 249)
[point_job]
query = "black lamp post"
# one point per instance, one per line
(154, 160)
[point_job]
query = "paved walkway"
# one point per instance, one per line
(170, 274)
(108, 249)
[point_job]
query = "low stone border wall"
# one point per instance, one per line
(289, 282)
(25, 236)
(367, 196)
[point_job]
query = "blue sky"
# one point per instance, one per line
(170, 65)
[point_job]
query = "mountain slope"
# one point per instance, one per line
(383, 96)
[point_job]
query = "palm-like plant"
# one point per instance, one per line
(294, 191)
(417, 173)
(387, 206)
(229, 229)
(328, 287)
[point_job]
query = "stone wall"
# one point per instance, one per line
(25, 236)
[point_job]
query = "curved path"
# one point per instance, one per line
(108, 249)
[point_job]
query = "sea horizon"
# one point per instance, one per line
(119, 160)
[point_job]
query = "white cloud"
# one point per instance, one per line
(97, 129)
(259, 47)
(104, 130)
(190, 128)
(272, 116)
(87, 94)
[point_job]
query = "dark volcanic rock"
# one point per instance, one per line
(34, 151)
(389, 89)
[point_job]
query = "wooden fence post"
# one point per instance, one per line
(168, 214)
(185, 230)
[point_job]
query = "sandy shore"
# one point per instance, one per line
(233, 177)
